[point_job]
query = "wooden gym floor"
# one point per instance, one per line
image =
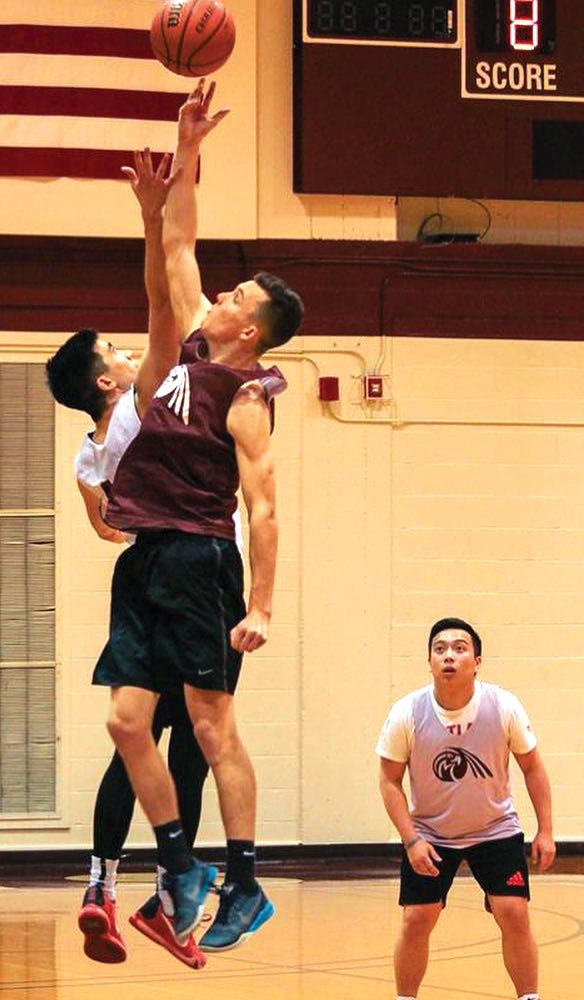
(329, 940)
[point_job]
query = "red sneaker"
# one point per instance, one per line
(97, 919)
(152, 921)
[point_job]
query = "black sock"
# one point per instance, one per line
(241, 864)
(173, 852)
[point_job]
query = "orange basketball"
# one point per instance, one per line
(192, 37)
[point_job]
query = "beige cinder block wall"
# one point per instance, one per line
(384, 526)
(468, 503)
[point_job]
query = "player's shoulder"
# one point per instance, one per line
(501, 694)
(249, 407)
(125, 419)
(511, 709)
(406, 704)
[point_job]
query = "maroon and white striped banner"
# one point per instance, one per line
(80, 88)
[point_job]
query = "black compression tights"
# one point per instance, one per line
(115, 800)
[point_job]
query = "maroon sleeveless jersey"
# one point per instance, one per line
(180, 471)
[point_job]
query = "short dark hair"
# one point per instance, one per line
(72, 373)
(459, 623)
(281, 315)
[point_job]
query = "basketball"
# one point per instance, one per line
(192, 37)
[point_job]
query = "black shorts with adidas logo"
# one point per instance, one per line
(499, 866)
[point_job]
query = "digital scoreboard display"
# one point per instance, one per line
(471, 98)
(516, 26)
(373, 20)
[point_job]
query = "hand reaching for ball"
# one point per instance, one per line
(195, 120)
(150, 186)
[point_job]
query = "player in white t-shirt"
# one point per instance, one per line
(455, 737)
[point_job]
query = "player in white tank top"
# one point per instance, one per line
(455, 738)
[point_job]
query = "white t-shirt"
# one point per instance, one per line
(397, 735)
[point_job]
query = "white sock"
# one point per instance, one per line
(104, 872)
(406, 998)
(163, 894)
(529, 996)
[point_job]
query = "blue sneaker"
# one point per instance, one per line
(188, 891)
(239, 915)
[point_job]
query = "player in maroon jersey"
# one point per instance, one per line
(177, 595)
(88, 374)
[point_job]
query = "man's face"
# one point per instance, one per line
(452, 658)
(233, 313)
(121, 367)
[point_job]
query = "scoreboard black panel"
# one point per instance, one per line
(468, 98)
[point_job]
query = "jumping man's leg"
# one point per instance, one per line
(129, 725)
(244, 907)
(112, 817)
(216, 732)
(188, 767)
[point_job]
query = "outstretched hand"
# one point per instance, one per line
(194, 120)
(150, 186)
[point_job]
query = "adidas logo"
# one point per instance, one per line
(516, 879)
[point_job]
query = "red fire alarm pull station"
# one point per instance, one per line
(328, 388)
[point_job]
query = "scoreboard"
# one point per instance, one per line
(470, 98)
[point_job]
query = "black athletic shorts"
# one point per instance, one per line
(175, 599)
(499, 866)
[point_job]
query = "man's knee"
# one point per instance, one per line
(420, 920)
(215, 739)
(511, 913)
(127, 731)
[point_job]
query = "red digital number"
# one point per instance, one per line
(524, 24)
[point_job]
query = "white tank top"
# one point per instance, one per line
(97, 463)
(460, 788)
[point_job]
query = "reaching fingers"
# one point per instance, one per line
(147, 161)
(130, 173)
(162, 166)
(196, 92)
(208, 97)
(220, 115)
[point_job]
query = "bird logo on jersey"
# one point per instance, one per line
(178, 387)
(452, 764)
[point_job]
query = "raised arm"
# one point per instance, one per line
(248, 423)
(151, 188)
(181, 218)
